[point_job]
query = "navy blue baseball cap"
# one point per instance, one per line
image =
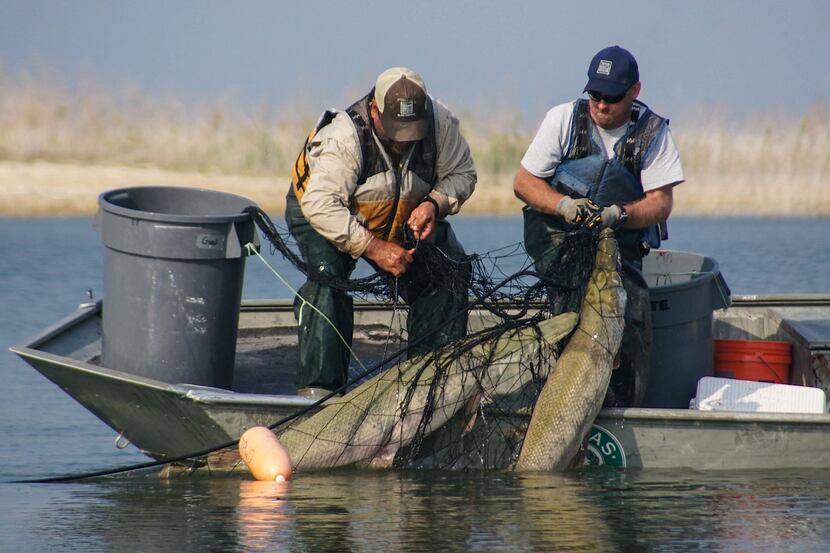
(612, 71)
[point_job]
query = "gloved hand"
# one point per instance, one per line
(573, 211)
(611, 216)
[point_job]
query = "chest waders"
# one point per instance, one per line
(323, 358)
(587, 173)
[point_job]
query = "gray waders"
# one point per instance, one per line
(544, 235)
(432, 299)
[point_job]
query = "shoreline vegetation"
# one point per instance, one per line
(60, 148)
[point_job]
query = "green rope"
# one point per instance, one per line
(251, 249)
(667, 276)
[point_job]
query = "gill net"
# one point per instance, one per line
(464, 405)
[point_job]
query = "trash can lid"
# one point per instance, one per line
(175, 204)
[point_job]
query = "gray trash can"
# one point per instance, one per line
(684, 288)
(173, 266)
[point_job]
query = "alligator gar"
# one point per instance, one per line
(384, 414)
(573, 394)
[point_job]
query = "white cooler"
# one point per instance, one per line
(727, 394)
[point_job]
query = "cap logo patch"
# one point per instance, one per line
(604, 67)
(406, 108)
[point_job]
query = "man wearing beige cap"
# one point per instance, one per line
(394, 160)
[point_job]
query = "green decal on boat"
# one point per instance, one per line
(604, 448)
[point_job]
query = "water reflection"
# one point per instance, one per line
(563, 515)
(591, 510)
(262, 515)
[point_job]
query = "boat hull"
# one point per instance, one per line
(168, 421)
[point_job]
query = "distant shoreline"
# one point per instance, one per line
(46, 189)
(60, 148)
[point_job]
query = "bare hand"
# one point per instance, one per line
(422, 220)
(388, 256)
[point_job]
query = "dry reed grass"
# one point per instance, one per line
(59, 148)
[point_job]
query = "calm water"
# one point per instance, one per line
(46, 266)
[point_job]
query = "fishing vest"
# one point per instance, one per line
(586, 172)
(423, 161)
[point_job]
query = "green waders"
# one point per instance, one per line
(433, 302)
(544, 236)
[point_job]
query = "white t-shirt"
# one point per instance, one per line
(660, 167)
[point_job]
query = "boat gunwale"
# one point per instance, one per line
(83, 366)
(86, 310)
(738, 300)
(696, 415)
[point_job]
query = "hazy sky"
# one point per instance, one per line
(737, 56)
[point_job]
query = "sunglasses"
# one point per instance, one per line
(599, 96)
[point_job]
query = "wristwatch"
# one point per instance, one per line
(433, 202)
(623, 217)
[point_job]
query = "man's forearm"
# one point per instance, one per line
(535, 192)
(653, 209)
(336, 224)
(451, 191)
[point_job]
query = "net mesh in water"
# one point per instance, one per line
(466, 404)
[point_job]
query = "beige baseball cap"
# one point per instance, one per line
(401, 97)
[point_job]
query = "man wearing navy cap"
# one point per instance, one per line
(609, 150)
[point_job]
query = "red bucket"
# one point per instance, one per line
(758, 360)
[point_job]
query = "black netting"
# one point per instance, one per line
(468, 403)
